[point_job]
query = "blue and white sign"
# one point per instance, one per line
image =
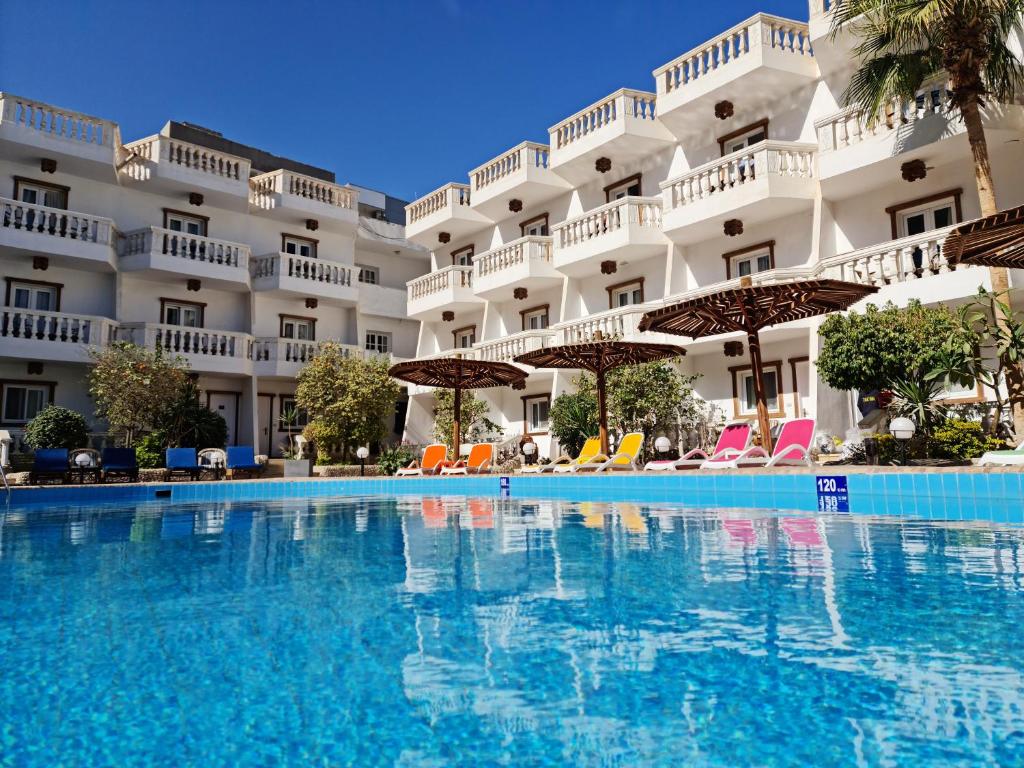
(504, 483)
(833, 495)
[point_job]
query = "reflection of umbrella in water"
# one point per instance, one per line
(457, 373)
(750, 308)
(599, 357)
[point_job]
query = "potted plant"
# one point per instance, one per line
(295, 462)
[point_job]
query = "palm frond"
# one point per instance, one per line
(888, 77)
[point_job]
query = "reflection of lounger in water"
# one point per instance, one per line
(631, 518)
(802, 531)
(593, 514)
(433, 514)
(481, 513)
(740, 530)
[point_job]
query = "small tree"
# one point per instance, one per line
(876, 349)
(473, 421)
(573, 417)
(187, 423)
(57, 427)
(131, 387)
(348, 399)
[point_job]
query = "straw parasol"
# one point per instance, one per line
(599, 357)
(749, 309)
(458, 373)
(992, 241)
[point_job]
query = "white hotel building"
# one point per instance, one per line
(740, 161)
(237, 260)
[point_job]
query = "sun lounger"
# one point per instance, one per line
(625, 457)
(182, 461)
(1014, 458)
(481, 458)
(49, 463)
(241, 459)
(119, 461)
(590, 449)
(792, 448)
(434, 457)
(735, 438)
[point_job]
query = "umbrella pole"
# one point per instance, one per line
(602, 413)
(456, 431)
(757, 371)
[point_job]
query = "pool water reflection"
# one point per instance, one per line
(441, 631)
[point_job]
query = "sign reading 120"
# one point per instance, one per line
(833, 495)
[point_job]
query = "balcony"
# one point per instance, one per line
(767, 181)
(72, 239)
(53, 336)
(505, 349)
(446, 210)
(619, 323)
(622, 230)
(204, 350)
(523, 173)
(855, 157)
(757, 64)
(172, 166)
(897, 268)
(523, 263)
(281, 358)
(622, 127)
(289, 196)
(450, 288)
(82, 145)
(382, 301)
(171, 254)
(291, 276)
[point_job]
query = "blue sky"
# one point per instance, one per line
(399, 96)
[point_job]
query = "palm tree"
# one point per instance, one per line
(904, 44)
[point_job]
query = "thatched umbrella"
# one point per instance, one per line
(599, 357)
(750, 308)
(458, 373)
(992, 241)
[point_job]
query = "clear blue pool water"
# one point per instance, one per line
(424, 631)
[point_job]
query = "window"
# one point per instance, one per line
(299, 328)
(537, 226)
(535, 319)
(744, 401)
(183, 222)
(181, 313)
(463, 256)
(624, 294)
(749, 261)
(369, 275)
(378, 342)
(924, 214)
(40, 193)
(288, 406)
(21, 402)
(744, 137)
(537, 410)
(629, 187)
(298, 246)
(465, 337)
(44, 297)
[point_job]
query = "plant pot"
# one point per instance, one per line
(298, 467)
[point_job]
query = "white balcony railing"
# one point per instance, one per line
(529, 154)
(264, 187)
(62, 124)
(164, 150)
(612, 324)
(54, 222)
(275, 349)
(621, 105)
(758, 32)
(850, 126)
(509, 255)
(611, 217)
(447, 198)
(896, 261)
(455, 276)
(768, 158)
(199, 342)
(167, 242)
(302, 268)
(505, 349)
(55, 327)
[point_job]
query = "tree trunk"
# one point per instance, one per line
(999, 276)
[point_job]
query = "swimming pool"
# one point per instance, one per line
(440, 631)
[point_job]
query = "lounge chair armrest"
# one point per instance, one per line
(695, 453)
(805, 454)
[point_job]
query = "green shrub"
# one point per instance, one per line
(393, 459)
(187, 423)
(149, 451)
(961, 440)
(57, 427)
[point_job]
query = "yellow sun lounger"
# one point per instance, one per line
(625, 457)
(591, 448)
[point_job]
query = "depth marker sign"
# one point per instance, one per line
(833, 495)
(504, 483)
